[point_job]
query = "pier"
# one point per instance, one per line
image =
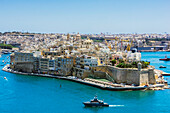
(165, 74)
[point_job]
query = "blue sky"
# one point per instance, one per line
(85, 16)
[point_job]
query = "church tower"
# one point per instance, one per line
(68, 37)
(78, 37)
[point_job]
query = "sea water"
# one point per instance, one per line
(30, 94)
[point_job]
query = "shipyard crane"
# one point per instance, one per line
(129, 46)
(116, 43)
(125, 40)
(109, 46)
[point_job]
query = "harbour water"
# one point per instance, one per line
(30, 94)
(154, 57)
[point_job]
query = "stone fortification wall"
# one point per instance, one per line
(121, 75)
(95, 74)
(86, 74)
(129, 75)
(151, 78)
(144, 77)
(99, 74)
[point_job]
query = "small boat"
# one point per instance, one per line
(95, 103)
(162, 66)
(165, 59)
(5, 52)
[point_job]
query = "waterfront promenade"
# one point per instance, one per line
(92, 82)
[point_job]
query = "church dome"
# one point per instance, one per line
(78, 35)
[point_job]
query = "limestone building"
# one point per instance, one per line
(23, 62)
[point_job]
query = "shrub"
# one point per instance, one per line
(6, 46)
(121, 61)
(121, 65)
(133, 65)
(145, 64)
(128, 65)
(113, 62)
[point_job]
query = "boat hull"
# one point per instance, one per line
(162, 67)
(88, 104)
(167, 59)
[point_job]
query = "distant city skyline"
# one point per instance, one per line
(90, 16)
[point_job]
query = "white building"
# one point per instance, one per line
(133, 56)
(85, 62)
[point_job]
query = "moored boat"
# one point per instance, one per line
(162, 66)
(165, 59)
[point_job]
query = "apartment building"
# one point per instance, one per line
(64, 65)
(23, 62)
(43, 65)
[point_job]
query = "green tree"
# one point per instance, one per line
(113, 62)
(121, 61)
(121, 65)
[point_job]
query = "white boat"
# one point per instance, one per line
(162, 66)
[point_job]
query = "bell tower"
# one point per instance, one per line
(68, 36)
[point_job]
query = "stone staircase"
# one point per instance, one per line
(109, 77)
(108, 73)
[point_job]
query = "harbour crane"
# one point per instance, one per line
(129, 46)
(109, 46)
(116, 43)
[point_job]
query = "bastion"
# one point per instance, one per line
(136, 76)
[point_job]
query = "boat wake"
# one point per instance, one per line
(6, 79)
(116, 105)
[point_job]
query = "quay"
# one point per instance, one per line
(95, 83)
(163, 73)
